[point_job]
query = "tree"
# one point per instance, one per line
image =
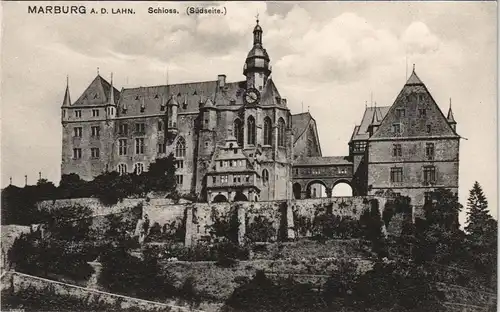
(443, 210)
(482, 233)
(161, 174)
(477, 215)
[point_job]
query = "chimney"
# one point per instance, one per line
(221, 81)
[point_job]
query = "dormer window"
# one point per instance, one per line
(156, 96)
(422, 112)
(184, 105)
(194, 93)
(137, 98)
(96, 96)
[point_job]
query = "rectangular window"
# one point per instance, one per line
(179, 164)
(296, 171)
(420, 98)
(160, 125)
(422, 112)
(397, 174)
(429, 150)
(94, 152)
(396, 128)
(95, 131)
(429, 174)
(247, 178)
(162, 148)
(179, 179)
(223, 179)
(77, 132)
(95, 113)
(214, 180)
(124, 129)
(139, 146)
(78, 114)
(428, 128)
(400, 112)
(221, 163)
(396, 150)
(140, 128)
(77, 153)
(122, 147)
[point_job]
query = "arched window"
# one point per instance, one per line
(238, 131)
(122, 168)
(180, 148)
(281, 132)
(268, 132)
(251, 130)
(138, 168)
(265, 175)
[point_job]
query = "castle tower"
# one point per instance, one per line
(257, 68)
(172, 107)
(111, 106)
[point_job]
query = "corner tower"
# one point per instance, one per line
(257, 68)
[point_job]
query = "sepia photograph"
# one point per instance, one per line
(249, 156)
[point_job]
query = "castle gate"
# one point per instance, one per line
(317, 176)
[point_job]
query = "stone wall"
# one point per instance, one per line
(198, 217)
(15, 281)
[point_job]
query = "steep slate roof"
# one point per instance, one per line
(413, 97)
(450, 117)
(371, 113)
(322, 161)
(97, 93)
(67, 98)
(300, 123)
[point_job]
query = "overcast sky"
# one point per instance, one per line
(329, 56)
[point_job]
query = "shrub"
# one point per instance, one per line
(260, 230)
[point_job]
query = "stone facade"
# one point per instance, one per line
(238, 141)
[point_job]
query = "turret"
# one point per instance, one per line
(172, 107)
(257, 68)
(209, 115)
(66, 102)
(451, 119)
(111, 105)
(375, 123)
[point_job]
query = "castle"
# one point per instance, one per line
(238, 141)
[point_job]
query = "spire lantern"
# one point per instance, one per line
(257, 64)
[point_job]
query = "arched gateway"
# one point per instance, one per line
(315, 177)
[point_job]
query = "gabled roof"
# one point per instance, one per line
(270, 94)
(371, 113)
(97, 93)
(413, 99)
(414, 80)
(300, 123)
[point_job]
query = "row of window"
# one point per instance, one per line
(251, 131)
(398, 129)
(95, 112)
(317, 171)
(94, 153)
(231, 163)
(236, 179)
(428, 171)
(397, 151)
(180, 148)
(94, 131)
(401, 112)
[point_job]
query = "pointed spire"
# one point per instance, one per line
(111, 92)
(450, 117)
(67, 98)
(414, 78)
